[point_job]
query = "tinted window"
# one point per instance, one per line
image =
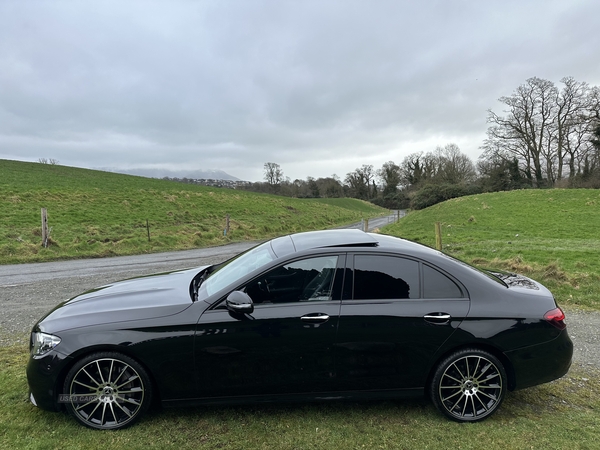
(385, 277)
(304, 280)
(438, 285)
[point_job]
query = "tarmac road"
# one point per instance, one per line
(379, 222)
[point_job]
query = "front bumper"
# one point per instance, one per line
(44, 379)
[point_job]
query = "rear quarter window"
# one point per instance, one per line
(438, 285)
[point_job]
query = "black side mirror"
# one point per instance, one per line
(239, 302)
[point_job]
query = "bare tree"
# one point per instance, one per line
(273, 175)
(545, 128)
(453, 166)
(573, 102)
(50, 161)
(527, 126)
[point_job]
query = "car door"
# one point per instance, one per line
(285, 344)
(396, 313)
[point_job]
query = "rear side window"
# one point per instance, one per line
(394, 277)
(438, 285)
(385, 277)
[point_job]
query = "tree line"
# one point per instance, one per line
(551, 132)
(547, 136)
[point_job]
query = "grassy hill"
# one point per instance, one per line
(551, 235)
(94, 213)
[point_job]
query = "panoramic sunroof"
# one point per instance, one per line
(332, 238)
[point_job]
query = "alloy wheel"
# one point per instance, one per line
(107, 392)
(469, 387)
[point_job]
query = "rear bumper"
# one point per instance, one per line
(542, 363)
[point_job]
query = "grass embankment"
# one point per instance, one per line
(562, 414)
(94, 213)
(549, 235)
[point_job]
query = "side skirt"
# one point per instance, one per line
(304, 397)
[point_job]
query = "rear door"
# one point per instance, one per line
(396, 313)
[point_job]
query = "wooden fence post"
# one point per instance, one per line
(45, 235)
(148, 229)
(366, 230)
(438, 235)
(226, 225)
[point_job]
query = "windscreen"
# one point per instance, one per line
(236, 269)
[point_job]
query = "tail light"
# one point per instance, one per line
(556, 317)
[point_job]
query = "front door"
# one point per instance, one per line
(285, 345)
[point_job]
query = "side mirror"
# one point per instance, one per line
(239, 302)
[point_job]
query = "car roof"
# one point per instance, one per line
(321, 239)
(342, 238)
(354, 238)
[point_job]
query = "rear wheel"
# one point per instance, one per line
(469, 385)
(107, 391)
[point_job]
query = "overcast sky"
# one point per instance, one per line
(319, 87)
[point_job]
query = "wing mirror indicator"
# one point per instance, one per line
(239, 302)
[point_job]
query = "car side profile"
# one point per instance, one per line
(337, 314)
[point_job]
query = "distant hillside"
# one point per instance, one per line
(162, 173)
(94, 213)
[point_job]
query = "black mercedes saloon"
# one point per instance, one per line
(337, 314)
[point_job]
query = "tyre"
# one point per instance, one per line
(107, 391)
(469, 385)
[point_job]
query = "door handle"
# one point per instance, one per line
(315, 318)
(437, 318)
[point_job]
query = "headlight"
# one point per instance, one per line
(42, 343)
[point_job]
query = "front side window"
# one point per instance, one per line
(299, 281)
(385, 277)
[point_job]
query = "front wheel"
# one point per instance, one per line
(469, 385)
(107, 391)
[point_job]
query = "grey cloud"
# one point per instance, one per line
(230, 85)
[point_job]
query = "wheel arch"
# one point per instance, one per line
(508, 367)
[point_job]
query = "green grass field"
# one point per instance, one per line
(550, 235)
(95, 214)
